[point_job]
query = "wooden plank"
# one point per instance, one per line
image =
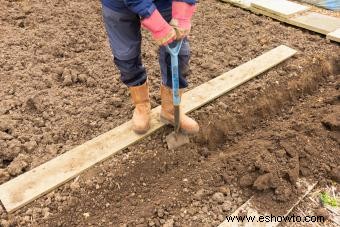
(323, 28)
(317, 22)
(335, 36)
(268, 14)
(245, 4)
(250, 210)
(48, 176)
(281, 8)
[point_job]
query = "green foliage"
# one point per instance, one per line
(326, 199)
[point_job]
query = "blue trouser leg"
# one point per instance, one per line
(124, 34)
(125, 38)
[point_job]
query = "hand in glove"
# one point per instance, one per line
(181, 18)
(161, 31)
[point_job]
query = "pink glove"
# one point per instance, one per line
(161, 31)
(181, 18)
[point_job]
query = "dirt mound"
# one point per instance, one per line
(281, 157)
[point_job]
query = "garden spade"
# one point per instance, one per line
(176, 138)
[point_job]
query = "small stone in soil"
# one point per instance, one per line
(218, 197)
(67, 80)
(246, 180)
(199, 194)
(116, 101)
(82, 78)
(160, 213)
(225, 190)
(151, 223)
(226, 206)
(30, 146)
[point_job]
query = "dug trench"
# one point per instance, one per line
(288, 131)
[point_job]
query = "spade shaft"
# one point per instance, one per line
(173, 49)
(176, 138)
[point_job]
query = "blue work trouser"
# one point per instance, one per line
(123, 29)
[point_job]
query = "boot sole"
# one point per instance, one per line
(141, 132)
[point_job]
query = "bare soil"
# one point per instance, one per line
(59, 88)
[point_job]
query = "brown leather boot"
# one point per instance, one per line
(141, 114)
(187, 124)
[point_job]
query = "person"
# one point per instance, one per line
(167, 21)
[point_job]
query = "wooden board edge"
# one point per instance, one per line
(334, 36)
(291, 21)
(296, 22)
(236, 3)
(268, 14)
(263, 8)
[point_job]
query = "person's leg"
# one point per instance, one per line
(187, 124)
(124, 34)
(123, 30)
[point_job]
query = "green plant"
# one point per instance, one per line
(326, 199)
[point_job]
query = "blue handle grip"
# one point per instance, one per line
(174, 51)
